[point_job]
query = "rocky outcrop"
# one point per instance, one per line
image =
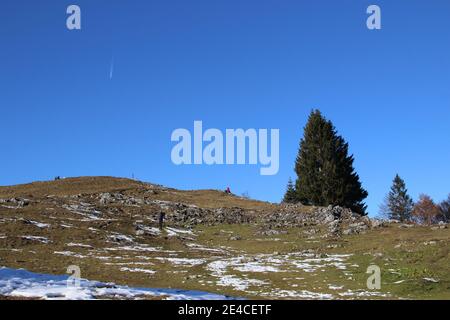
(15, 202)
(333, 220)
(188, 215)
(336, 220)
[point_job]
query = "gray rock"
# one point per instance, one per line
(377, 223)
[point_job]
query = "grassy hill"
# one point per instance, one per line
(108, 227)
(93, 185)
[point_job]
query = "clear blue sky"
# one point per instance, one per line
(231, 64)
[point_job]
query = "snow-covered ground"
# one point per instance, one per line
(22, 283)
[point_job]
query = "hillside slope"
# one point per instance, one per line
(93, 185)
(213, 242)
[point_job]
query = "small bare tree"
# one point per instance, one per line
(425, 210)
(444, 210)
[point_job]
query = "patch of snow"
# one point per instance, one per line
(22, 283)
(37, 224)
(218, 269)
(10, 207)
(238, 283)
(72, 244)
(150, 230)
(331, 287)
(83, 209)
(137, 270)
(202, 248)
(400, 281)
(302, 294)
(183, 261)
(70, 254)
(137, 248)
(172, 232)
(180, 231)
(431, 280)
(36, 238)
(144, 257)
(256, 267)
(362, 293)
(102, 258)
(120, 238)
(312, 264)
(129, 264)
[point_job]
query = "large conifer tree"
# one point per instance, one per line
(325, 170)
(398, 204)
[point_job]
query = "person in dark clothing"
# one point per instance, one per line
(162, 215)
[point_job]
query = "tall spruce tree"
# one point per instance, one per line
(398, 204)
(290, 195)
(325, 170)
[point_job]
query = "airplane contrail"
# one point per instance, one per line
(111, 69)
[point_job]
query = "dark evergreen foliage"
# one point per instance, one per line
(290, 195)
(398, 204)
(325, 169)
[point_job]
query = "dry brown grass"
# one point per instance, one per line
(69, 186)
(89, 185)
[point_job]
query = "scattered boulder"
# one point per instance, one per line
(377, 223)
(355, 228)
(440, 225)
(105, 198)
(19, 202)
(121, 238)
(272, 232)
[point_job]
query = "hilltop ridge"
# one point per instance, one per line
(102, 184)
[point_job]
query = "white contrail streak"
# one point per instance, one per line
(111, 69)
